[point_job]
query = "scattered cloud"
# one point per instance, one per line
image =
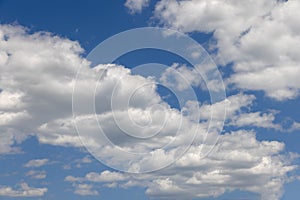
(105, 176)
(37, 163)
(85, 190)
(78, 163)
(294, 127)
(136, 6)
(239, 162)
(22, 191)
(36, 174)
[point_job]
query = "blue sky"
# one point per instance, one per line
(49, 149)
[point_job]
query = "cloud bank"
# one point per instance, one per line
(260, 38)
(36, 79)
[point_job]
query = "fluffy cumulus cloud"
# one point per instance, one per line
(105, 176)
(251, 165)
(261, 39)
(22, 191)
(238, 106)
(37, 74)
(136, 6)
(238, 113)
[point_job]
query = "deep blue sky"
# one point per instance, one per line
(89, 22)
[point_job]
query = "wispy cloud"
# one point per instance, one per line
(37, 163)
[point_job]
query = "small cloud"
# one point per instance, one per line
(72, 179)
(67, 167)
(85, 160)
(22, 191)
(294, 127)
(78, 163)
(36, 163)
(111, 185)
(136, 6)
(36, 174)
(85, 190)
(105, 176)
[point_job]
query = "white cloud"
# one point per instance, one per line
(136, 6)
(295, 126)
(36, 174)
(238, 113)
(78, 163)
(186, 77)
(105, 176)
(23, 191)
(258, 37)
(36, 72)
(182, 77)
(257, 119)
(39, 76)
(86, 159)
(239, 161)
(233, 104)
(85, 190)
(46, 96)
(72, 179)
(37, 163)
(10, 101)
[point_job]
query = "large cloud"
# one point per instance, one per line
(36, 81)
(239, 161)
(261, 39)
(37, 77)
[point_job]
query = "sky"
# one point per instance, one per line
(144, 99)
